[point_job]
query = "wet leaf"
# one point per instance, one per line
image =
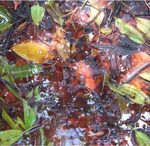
(145, 75)
(9, 120)
(33, 51)
(54, 10)
(130, 91)
(11, 87)
(5, 19)
(144, 26)
(60, 44)
(142, 138)
(20, 72)
(37, 13)
(29, 114)
(129, 31)
(122, 104)
(9, 137)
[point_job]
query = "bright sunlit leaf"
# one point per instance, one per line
(145, 75)
(142, 138)
(29, 114)
(33, 51)
(9, 137)
(106, 30)
(129, 31)
(37, 13)
(96, 15)
(144, 26)
(134, 94)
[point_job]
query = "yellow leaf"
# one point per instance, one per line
(106, 30)
(33, 51)
(96, 16)
(145, 76)
(144, 26)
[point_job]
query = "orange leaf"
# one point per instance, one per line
(33, 51)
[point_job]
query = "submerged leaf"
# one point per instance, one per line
(130, 91)
(60, 44)
(145, 75)
(29, 114)
(37, 13)
(11, 87)
(129, 31)
(8, 137)
(142, 138)
(5, 19)
(144, 26)
(20, 72)
(54, 11)
(33, 51)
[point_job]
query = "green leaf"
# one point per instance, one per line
(37, 13)
(21, 123)
(42, 139)
(11, 87)
(145, 75)
(5, 19)
(37, 94)
(129, 31)
(5, 26)
(142, 138)
(9, 137)
(144, 26)
(9, 120)
(130, 91)
(24, 71)
(29, 114)
(30, 94)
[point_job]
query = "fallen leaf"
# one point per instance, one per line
(129, 31)
(144, 26)
(106, 30)
(33, 51)
(145, 76)
(130, 91)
